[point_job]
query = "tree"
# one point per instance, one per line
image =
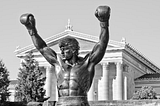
(30, 81)
(4, 82)
(146, 92)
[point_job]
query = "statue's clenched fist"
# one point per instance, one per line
(28, 20)
(103, 13)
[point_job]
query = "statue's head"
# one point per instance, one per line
(69, 43)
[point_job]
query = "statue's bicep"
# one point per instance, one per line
(97, 53)
(49, 54)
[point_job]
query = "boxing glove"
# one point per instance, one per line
(103, 13)
(28, 20)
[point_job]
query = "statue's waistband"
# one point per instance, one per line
(73, 101)
(72, 97)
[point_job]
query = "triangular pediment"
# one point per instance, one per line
(86, 42)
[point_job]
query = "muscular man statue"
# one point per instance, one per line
(75, 77)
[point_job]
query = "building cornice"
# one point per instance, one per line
(147, 79)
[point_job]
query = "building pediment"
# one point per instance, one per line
(86, 42)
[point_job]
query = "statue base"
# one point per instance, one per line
(35, 104)
(72, 101)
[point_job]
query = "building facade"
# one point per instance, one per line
(114, 76)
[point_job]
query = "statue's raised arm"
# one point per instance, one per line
(29, 21)
(103, 15)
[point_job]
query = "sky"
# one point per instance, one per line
(138, 21)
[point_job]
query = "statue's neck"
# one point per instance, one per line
(73, 61)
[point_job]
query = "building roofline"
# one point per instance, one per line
(118, 45)
(130, 49)
(54, 39)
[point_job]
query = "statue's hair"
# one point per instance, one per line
(70, 42)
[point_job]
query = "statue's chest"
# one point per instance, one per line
(76, 73)
(73, 71)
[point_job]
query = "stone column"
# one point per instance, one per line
(125, 88)
(91, 92)
(54, 92)
(119, 81)
(51, 83)
(48, 81)
(103, 88)
(96, 89)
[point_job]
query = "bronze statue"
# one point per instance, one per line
(75, 77)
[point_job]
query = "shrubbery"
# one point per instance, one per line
(146, 92)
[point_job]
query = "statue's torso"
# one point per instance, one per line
(74, 80)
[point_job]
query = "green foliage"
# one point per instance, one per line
(146, 92)
(30, 81)
(4, 82)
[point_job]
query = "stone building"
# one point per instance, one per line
(114, 76)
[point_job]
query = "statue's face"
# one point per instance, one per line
(67, 52)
